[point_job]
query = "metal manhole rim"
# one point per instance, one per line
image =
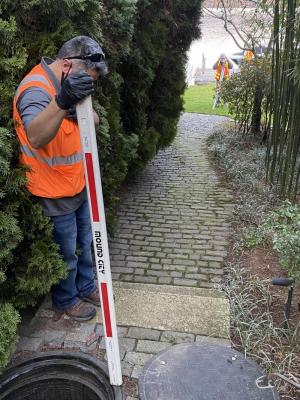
(71, 359)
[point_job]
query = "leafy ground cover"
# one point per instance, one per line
(266, 228)
(199, 99)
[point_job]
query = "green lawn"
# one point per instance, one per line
(199, 99)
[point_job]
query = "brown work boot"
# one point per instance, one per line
(93, 298)
(81, 311)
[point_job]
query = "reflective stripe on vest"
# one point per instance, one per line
(59, 160)
(27, 150)
(32, 78)
(52, 161)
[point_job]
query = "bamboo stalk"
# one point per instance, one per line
(275, 79)
(283, 151)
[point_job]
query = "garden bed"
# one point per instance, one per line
(257, 307)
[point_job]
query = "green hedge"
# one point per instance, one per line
(138, 103)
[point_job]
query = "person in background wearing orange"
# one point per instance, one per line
(248, 55)
(222, 67)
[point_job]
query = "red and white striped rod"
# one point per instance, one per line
(95, 195)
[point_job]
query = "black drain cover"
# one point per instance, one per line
(58, 376)
(193, 371)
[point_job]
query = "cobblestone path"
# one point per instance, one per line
(173, 215)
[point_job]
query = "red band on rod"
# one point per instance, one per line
(92, 186)
(106, 309)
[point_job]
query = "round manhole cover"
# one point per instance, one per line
(195, 371)
(58, 376)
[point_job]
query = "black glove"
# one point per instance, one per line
(74, 88)
(72, 115)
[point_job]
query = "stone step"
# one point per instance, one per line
(164, 307)
(181, 309)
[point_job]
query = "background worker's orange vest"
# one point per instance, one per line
(219, 70)
(56, 169)
(248, 55)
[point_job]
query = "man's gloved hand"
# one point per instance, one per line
(74, 88)
(72, 115)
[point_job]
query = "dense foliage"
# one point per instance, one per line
(255, 327)
(247, 94)
(138, 104)
(281, 230)
(242, 159)
(273, 223)
(9, 319)
(266, 93)
(154, 74)
(283, 157)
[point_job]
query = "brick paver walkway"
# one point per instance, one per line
(173, 215)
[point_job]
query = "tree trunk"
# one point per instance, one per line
(256, 114)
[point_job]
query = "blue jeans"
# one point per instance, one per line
(73, 233)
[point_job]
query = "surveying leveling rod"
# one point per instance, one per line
(95, 196)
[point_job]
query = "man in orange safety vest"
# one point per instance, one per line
(47, 129)
(222, 67)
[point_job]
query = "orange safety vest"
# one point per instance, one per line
(55, 170)
(219, 70)
(248, 55)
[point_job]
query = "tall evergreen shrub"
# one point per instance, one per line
(247, 94)
(29, 260)
(154, 72)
